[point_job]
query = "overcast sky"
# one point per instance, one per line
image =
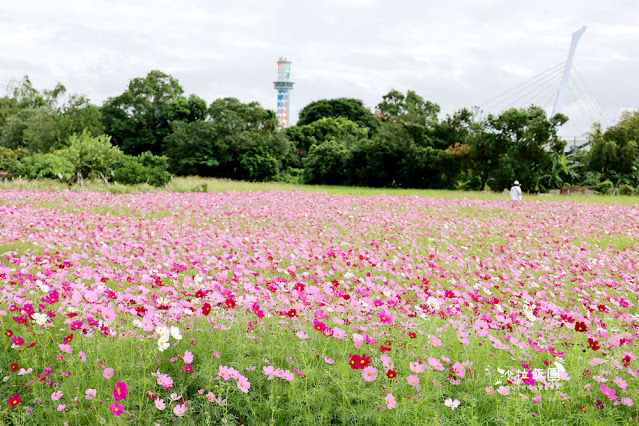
(454, 53)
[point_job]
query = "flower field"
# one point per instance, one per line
(308, 308)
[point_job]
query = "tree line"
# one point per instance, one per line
(153, 131)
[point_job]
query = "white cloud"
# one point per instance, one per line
(456, 53)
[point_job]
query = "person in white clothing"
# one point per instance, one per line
(515, 193)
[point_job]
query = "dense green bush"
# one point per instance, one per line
(144, 168)
(626, 189)
(605, 187)
(90, 154)
(47, 166)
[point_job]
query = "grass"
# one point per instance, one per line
(199, 184)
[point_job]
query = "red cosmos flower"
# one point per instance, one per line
(17, 340)
(8, 333)
(299, 287)
(602, 308)
(206, 309)
(230, 303)
(14, 366)
(580, 327)
(120, 391)
(594, 344)
(412, 335)
(354, 361)
(68, 339)
(364, 361)
(14, 400)
(292, 313)
(383, 348)
(318, 325)
(346, 297)
(188, 368)
(391, 374)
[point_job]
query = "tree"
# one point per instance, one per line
(324, 129)
(326, 163)
(231, 116)
(616, 148)
(90, 154)
(138, 119)
(530, 137)
(187, 110)
(351, 109)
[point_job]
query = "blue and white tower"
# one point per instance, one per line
(283, 85)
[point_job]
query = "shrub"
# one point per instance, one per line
(144, 168)
(605, 187)
(47, 166)
(90, 154)
(626, 189)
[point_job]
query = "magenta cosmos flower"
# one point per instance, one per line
(120, 391)
(117, 409)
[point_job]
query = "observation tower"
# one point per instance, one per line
(283, 85)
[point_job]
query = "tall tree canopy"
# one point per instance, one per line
(138, 119)
(351, 109)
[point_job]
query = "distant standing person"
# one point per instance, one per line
(515, 193)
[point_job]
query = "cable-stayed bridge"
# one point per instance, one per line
(550, 89)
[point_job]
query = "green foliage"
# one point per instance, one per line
(239, 141)
(144, 168)
(138, 119)
(626, 189)
(47, 166)
(90, 154)
(11, 160)
(351, 109)
(326, 163)
(605, 187)
(322, 130)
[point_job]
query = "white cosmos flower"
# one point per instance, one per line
(162, 345)
(433, 303)
(188, 312)
(137, 323)
(164, 333)
(175, 332)
(39, 318)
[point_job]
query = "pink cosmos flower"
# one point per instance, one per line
(489, 390)
(503, 390)
(610, 393)
(210, 396)
(628, 402)
(76, 325)
(268, 370)
(91, 296)
(65, 348)
(390, 401)
(287, 375)
(435, 341)
(328, 360)
(107, 373)
(90, 393)
(620, 382)
(224, 372)
(436, 364)
(385, 317)
(302, 335)
(417, 367)
(61, 407)
(243, 384)
(413, 380)
(358, 340)
(56, 395)
(188, 368)
(369, 374)
(83, 357)
(159, 404)
(17, 340)
(188, 357)
(537, 399)
(120, 391)
(596, 361)
(108, 315)
(460, 371)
